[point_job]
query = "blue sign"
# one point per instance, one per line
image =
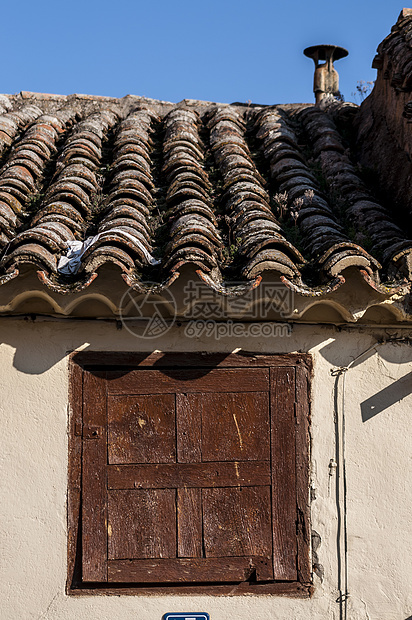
(186, 616)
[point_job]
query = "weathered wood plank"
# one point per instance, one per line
(176, 475)
(245, 359)
(237, 522)
(291, 589)
(189, 523)
(235, 426)
(188, 431)
(184, 569)
(141, 429)
(142, 524)
(188, 380)
(302, 472)
(94, 494)
(284, 473)
(74, 469)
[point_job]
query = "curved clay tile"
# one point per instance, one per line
(124, 227)
(130, 224)
(362, 210)
(194, 236)
(68, 198)
(129, 239)
(196, 207)
(186, 186)
(124, 211)
(132, 174)
(22, 173)
(61, 211)
(253, 227)
(14, 122)
(5, 104)
(34, 253)
(109, 253)
(271, 260)
(202, 257)
(305, 203)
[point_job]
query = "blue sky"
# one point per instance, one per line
(222, 51)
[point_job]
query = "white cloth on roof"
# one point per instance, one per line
(70, 263)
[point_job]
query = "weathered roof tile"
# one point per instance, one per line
(232, 190)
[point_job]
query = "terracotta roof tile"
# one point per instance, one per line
(235, 191)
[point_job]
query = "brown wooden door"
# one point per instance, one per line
(189, 475)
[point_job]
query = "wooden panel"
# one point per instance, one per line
(189, 523)
(142, 524)
(186, 569)
(235, 426)
(142, 429)
(193, 380)
(94, 494)
(74, 471)
(284, 474)
(302, 472)
(223, 474)
(188, 453)
(245, 359)
(188, 430)
(292, 589)
(237, 521)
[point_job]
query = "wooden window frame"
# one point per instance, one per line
(86, 362)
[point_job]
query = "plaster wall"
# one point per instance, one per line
(377, 450)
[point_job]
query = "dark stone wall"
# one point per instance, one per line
(384, 122)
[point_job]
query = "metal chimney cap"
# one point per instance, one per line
(320, 52)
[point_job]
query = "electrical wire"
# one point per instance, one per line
(341, 450)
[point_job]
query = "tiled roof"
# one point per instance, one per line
(235, 190)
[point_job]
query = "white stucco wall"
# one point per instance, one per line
(33, 455)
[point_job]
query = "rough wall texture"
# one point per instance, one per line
(385, 118)
(377, 405)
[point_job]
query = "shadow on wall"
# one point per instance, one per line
(390, 395)
(389, 351)
(40, 344)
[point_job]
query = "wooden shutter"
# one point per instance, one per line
(189, 476)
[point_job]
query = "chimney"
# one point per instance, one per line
(326, 79)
